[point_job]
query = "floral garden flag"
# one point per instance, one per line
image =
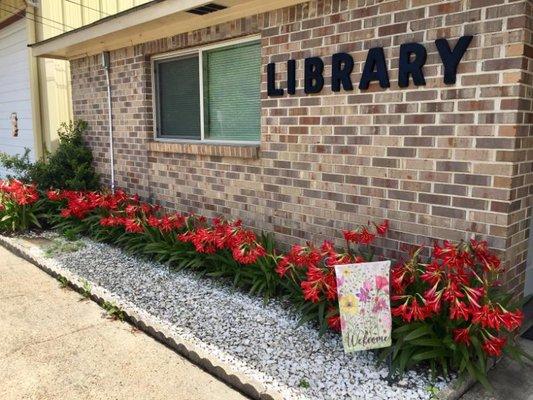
(364, 305)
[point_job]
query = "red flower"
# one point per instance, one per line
(460, 335)
(432, 300)
(489, 260)
(53, 195)
(366, 237)
(19, 192)
(282, 266)
(132, 225)
(403, 311)
(419, 312)
(330, 286)
(310, 291)
(459, 310)
(512, 320)
(153, 221)
(382, 228)
(432, 274)
(401, 278)
(248, 253)
(493, 346)
(474, 295)
(351, 236)
(334, 322)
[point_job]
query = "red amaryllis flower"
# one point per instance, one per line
(205, 242)
(131, 225)
(366, 237)
(20, 193)
(401, 278)
(112, 221)
(330, 286)
(488, 259)
(493, 346)
(461, 335)
(418, 311)
(488, 317)
(432, 274)
(459, 310)
(452, 292)
(512, 320)
(153, 221)
(351, 236)
(474, 295)
(403, 309)
(334, 323)
(248, 253)
(432, 300)
(311, 291)
(282, 266)
(382, 228)
(53, 195)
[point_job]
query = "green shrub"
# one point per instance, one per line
(69, 167)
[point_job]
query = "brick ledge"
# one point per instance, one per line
(206, 149)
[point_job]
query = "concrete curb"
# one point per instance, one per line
(155, 329)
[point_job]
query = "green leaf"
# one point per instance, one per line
(407, 327)
(422, 331)
(481, 377)
(430, 342)
(427, 355)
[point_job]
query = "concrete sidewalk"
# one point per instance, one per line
(54, 346)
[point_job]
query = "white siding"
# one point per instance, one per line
(15, 93)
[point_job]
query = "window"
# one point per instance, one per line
(209, 94)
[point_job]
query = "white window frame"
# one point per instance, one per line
(199, 50)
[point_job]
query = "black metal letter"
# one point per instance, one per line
(341, 68)
(313, 79)
(271, 81)
(413, 68)
(375, 60)
(451, 58)
(291, 76)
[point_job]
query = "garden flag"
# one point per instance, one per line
(364, 305)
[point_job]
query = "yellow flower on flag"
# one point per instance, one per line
(348, 304)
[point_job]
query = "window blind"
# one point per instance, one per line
(232, 84)
(179, 98)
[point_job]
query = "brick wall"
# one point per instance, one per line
(439, 161)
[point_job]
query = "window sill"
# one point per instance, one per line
(235, 150)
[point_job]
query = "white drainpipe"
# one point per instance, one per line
(106, 65)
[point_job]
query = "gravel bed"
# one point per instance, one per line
(258, 340)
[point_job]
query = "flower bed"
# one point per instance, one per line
(449, 312)
(257, 341)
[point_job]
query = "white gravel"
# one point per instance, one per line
(258, 340)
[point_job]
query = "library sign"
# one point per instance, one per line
(411, 60)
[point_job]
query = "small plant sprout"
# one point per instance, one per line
(86, 290)
(433, 392)
(303, 384)
(63, 282)
(70, 235)
(114, 312)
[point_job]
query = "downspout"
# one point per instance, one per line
(106, 65)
